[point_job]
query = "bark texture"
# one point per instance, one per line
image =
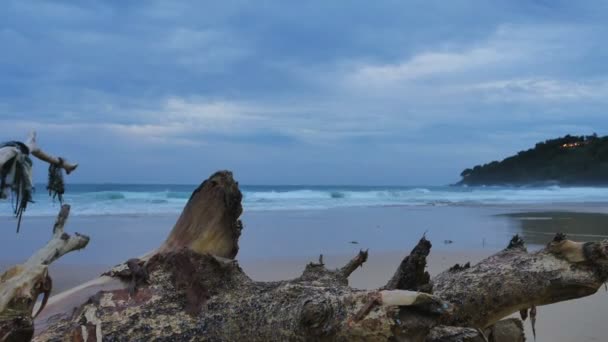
(411, 273)
(514, 280)
(507, 330)
(192, 289)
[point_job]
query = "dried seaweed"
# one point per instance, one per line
(16, 179)
(56, 186)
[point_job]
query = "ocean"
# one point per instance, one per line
(137, 199)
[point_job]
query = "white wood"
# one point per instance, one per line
(398, 297)
(6, 153)
(40, 154)
(22, 281)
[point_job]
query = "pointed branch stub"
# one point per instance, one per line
(354, 263)
(411, 273)
(210, 221)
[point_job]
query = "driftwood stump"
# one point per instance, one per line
(192, 289)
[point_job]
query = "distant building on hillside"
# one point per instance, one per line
(575, 144)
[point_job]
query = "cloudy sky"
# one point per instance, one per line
(298, 92)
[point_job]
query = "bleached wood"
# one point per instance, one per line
(60, 244)
(21, 285)
(6, 153)
(40, 154)
(402, 297)
(514, 280)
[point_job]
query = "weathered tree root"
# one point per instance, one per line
(195, 296)
(194, 290)
(514, 280)
(21, 285)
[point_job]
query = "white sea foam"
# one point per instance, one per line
(143, 200)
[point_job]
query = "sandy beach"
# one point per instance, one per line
(277, 245)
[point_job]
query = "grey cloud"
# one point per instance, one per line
(404, 86)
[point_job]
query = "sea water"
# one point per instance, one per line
(137, 199)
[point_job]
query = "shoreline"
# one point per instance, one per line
(305, 233)
(599, 207)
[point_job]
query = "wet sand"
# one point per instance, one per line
(277, 245)
(539, 227)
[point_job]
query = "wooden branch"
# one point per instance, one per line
(411, 273)
(7, 153)
(354, 263)
(401, 298)
(21, 285)
(515, 280)
(61, 243)
(40, 154)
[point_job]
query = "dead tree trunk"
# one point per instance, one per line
(192, 289)
(514, 280)
(21, 285)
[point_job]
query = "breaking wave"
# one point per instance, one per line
(162, 199)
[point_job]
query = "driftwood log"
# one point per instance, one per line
(21, 285)
(37, 152)
(16, 176)
(192, 289)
